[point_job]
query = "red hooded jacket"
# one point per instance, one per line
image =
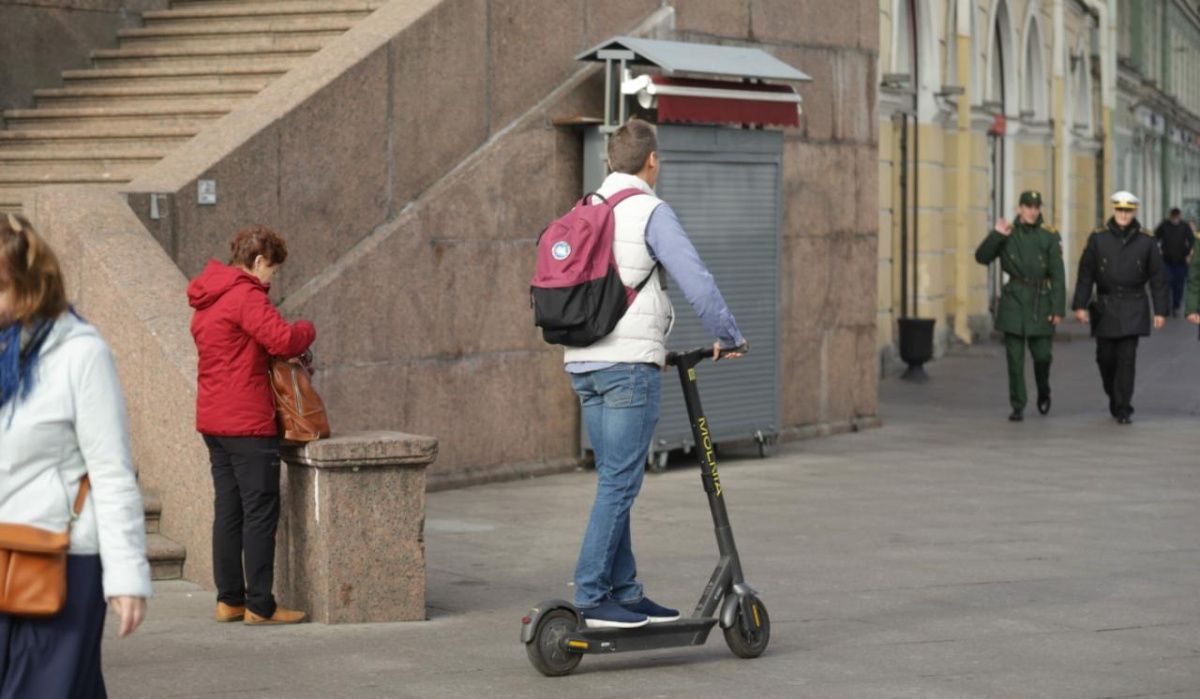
(237, 330)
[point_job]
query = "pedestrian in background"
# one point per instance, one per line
(1175, 239)
(1191, 304)
(1033, 301)
(64, 431)
(1119, 260)
(237, 330)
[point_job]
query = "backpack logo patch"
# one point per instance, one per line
(561, 250)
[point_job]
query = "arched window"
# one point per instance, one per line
(1033, 92)
(951, 75)
(914, 51)
(1001, 82)
(903, 53)
(1082, 109)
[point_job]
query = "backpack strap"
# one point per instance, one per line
(614, 199)
(646, 281)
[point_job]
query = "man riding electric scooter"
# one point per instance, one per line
(618, 378)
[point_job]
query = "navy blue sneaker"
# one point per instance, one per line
(656, 613)
(610, 615)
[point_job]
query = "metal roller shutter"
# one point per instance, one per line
(725, 184)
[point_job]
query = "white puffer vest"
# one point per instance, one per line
(640, 336)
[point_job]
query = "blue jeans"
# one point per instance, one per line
(620, 411)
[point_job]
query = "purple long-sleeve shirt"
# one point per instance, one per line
(670, 246)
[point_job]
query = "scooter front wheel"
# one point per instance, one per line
(751, 630)
(547, 651)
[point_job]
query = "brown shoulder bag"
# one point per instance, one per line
(298, 408)
(33, 565)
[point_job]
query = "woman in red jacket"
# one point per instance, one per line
(237, 330)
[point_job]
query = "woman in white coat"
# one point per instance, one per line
(62, 417)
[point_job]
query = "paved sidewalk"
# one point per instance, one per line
(948, 554)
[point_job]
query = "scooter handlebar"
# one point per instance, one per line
(694, 356)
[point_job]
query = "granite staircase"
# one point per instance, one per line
(185, 68)
(166, 556)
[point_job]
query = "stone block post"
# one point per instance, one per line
(352, 528)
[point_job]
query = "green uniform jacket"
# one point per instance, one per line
(1191, 297)
(1036, 289)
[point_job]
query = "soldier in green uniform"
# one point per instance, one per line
(1034, 299)
(1191, 295)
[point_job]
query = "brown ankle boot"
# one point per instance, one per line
(282, 615)
(228, 612)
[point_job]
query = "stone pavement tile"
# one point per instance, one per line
(1117, 613)
(1172, 677)
(1185, 635)
(1031, 652)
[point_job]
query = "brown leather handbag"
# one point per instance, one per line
(298, 408)
(33, 565)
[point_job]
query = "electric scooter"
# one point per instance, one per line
(555, 636)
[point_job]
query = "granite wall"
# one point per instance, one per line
(412, 162)
(122, 282)
(57, 35)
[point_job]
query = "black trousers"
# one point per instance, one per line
(1117, 358)
(1177, 275)
(246, 514)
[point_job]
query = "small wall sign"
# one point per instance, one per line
(206, 192)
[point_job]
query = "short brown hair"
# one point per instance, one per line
(630, 146)
(256, 240)
(30, 265)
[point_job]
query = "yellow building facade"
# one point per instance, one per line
(980, 100)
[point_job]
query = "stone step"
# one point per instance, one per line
(264, 33)
(223, 57)
(189, 5)
(250, 13)
(15, 190)
(14, 181)
(107, 138)
(34, 165)
(135, 96)
(193, 115)
(255, 76)
(153, 509)
(166, 557)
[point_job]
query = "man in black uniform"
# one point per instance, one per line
(1119, 259)
(1175, 239)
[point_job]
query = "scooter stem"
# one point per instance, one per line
(729, 569)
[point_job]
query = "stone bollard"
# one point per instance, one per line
(352, 527)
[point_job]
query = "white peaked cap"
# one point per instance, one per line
(1125, 200)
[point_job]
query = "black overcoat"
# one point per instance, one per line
(1114, 270)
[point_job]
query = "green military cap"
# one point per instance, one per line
(1031, 197)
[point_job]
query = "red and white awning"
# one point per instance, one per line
(693, 100)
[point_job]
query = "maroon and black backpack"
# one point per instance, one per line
(577, 293)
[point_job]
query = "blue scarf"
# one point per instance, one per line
(20, 347)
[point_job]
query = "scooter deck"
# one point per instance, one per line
(681, 632)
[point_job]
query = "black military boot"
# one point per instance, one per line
(1041, 372)
(1016, 416)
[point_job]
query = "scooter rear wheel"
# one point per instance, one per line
(749, 636)
(546, 650)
